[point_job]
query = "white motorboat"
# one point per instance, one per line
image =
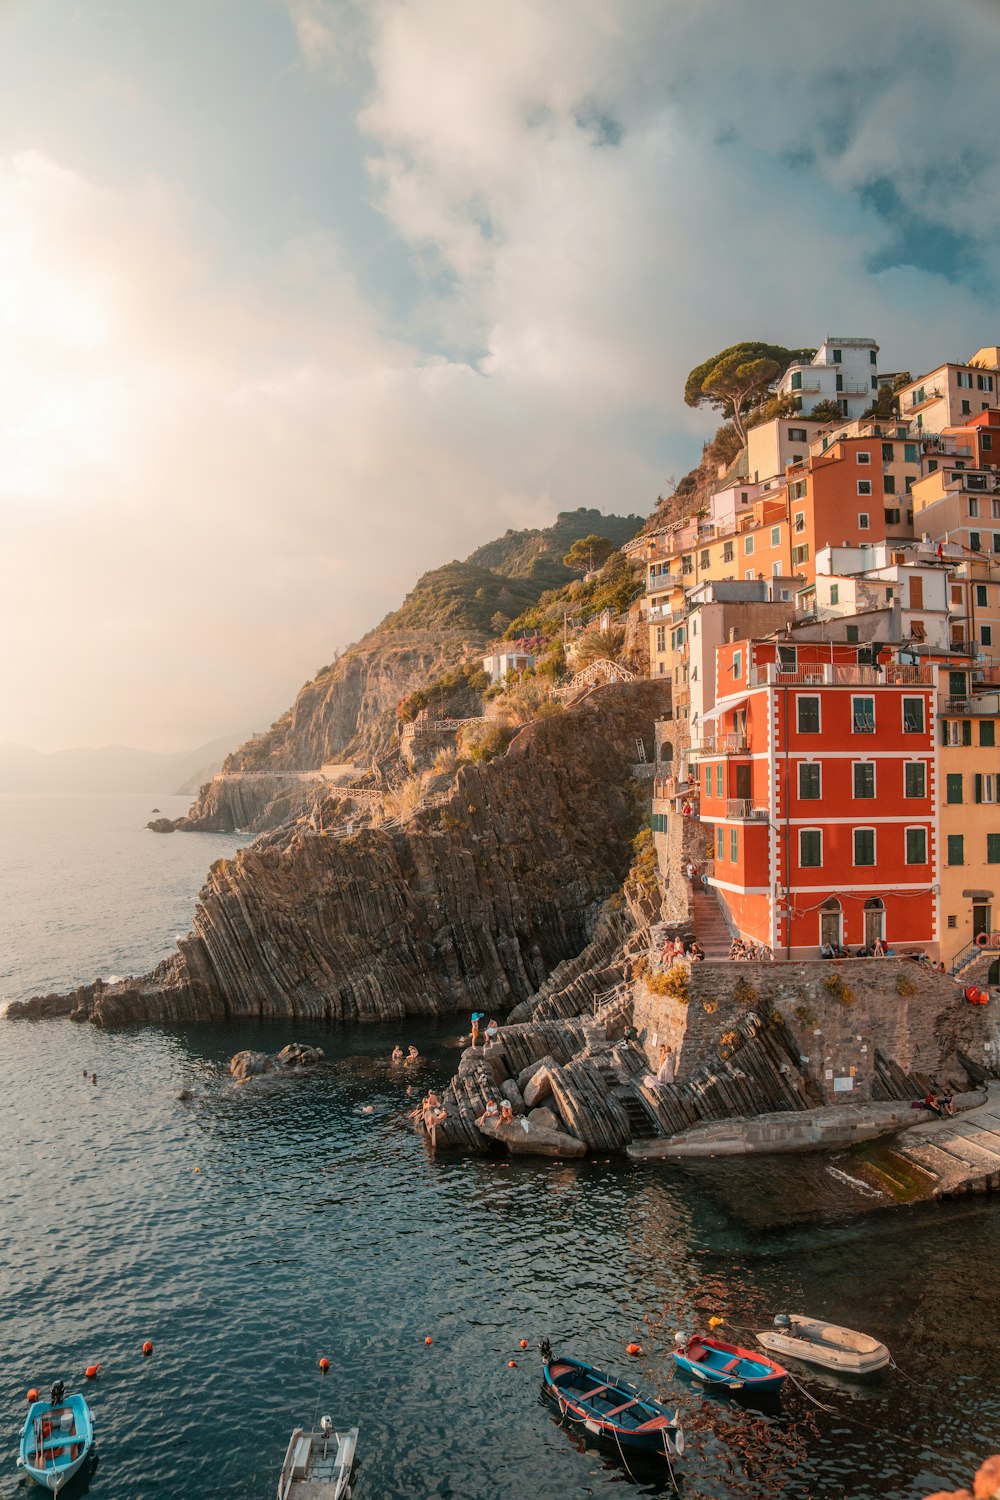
(825, 1344)
(319, 1465)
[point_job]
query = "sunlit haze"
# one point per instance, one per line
(299, 300)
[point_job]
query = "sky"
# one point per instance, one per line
(300, 298)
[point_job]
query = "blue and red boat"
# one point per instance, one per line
(727, 1366)
(610, 1409)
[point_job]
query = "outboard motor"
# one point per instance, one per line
(680, 1339)
(545, 1349)
(326, 1426)
(57, 1393)
(783, 1323)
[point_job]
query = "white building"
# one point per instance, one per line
(842, 370)
(949, 395)
(504, 660)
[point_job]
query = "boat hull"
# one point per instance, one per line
(611, 1411)
(827, 1346)
(49, 1453)
(319, 1465)
(727, 1367)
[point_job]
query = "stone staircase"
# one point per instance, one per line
(709, 922)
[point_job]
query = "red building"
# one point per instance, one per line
(816, 772)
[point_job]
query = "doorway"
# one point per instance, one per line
(830, 923)
(743, 783)
(874, 922)
(980, 919)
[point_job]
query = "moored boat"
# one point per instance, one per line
(56, 1438)
(610, 1409)
(727, 1366)
(319, 1465)
(815, 1342)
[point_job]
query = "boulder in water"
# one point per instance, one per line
(293, 1058)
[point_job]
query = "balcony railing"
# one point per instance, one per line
(830, 674)
(983, 703)
(743, 807)
(720, 744)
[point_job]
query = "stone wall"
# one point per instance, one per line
(840, 1015)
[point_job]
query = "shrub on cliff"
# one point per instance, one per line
(482, 742)
(672, 982)
(643, 877)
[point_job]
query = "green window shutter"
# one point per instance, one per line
(966, 731)
(987, 732)
(993, 848)
(953, 787)
(956, 849)
(979, 788)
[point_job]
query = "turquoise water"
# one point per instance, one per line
(314, 1227)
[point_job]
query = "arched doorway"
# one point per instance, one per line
(831, 923)
(666, 752)
(874, 921)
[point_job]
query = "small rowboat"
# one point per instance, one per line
(727, 1365)
(319, 1465)
(56, 1438)
(610, 1409)
(825, 1344)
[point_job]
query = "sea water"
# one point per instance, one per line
(250, 1232)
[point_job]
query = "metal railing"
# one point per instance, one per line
(984, 703)
(747, 809)
(720, 744)
(992, 945)
(830, 674)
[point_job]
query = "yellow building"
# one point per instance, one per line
(967, 793)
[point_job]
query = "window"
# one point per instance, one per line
(993, 848)
(835, 593)
(984, 382)
(956, 848)
(863, 458)
(864, 486)
(788, 658)
(915, 779)
(718, 779)
(908, 483)
(810, 848)
(917, 631)
(705, 558)
(910, 453)
(838, 356)
(808, 715)
(987, 441)
(986, 788)
(966, 408)
(843, 406)
(973, 506)
(809, 781)
(796, 491)
(916, 846)
(863, 715)
(852, 633)
(862, 520)
(737, 663)
(975, 541)
(748, 546)
(687, 563)
(708, 781)
(996, 541)
(913, 715)
(720, 846)
(916, 592)
(727, 552)
(796, 382)
(964, 380)
(871, 357)
(888, 452)
(800, 555)
(800, 520)
(889, 484)
(734, 845)
(987, 732)
(956, 732)
(750, 574)
(661, 638)
(952, 921)
(982, 595)
(953, 784)
(775, 536)
(864, 846)
(864, 778)
(776, 570)
(986, 635)
(798, 435)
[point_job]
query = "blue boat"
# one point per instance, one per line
(56, 1438)
(610, 1409)
(727, 1366)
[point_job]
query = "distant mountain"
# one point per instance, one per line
(112, 768)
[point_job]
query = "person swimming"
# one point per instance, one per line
(398, 1054)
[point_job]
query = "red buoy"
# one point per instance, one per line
(428, 1340)
(32, 1394)
(524, 1343)
(633, 1348)
(92, 1372)
(324, 1364)
(147, 1347)
(512, 1364)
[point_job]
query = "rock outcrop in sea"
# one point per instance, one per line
(472, 903)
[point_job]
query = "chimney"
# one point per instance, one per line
(732, 634)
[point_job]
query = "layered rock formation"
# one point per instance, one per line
(471, 904)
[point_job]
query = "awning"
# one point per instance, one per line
(725, 707)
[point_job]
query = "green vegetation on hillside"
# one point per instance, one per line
(525, 554)
(615, 587)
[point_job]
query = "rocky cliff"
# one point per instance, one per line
(471, 904)
(347, 713)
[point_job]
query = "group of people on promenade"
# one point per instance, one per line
(674, 950)
(742, 951)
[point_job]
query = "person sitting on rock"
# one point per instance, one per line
(491, 1032)
(397, 1054)
(932, 1103)
(946, 1104)
(490, 1114)
(412, 1055)
(506, 1112)
(696, 952)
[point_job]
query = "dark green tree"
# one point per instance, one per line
(589, 552)
(738, 379)
(827, 411)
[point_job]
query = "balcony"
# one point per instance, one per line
(721, 744)
(983, 703)
(926, 399)
(746, 810)
(829, 674)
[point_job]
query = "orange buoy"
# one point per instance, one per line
(524, 1343)
(147, 1347)
(92, 1371)
(32, 1394)
(633, 1348)
(512, 1364)
(198, 1169)
(324, 1364)
(428, 1340)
